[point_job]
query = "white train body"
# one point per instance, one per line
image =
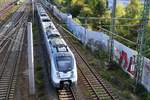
(63, 64)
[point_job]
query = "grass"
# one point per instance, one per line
(39, 76)
(35, 31)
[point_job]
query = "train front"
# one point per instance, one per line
(65, 71)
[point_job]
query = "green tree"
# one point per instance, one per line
(133, 10)
(98, 6)
(86, 11)
(75, 10)
(120, 10)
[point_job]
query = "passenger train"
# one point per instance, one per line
(63, 70)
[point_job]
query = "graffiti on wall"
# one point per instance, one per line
(146, 74)
(95, 45)
(127, 63)
(147, 65)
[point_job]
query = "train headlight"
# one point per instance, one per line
(58, 75)
(72, 73)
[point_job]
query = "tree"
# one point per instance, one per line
(98, 6)
(120, 10)
(75, 10)
(133, 10)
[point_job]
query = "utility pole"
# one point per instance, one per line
(33, 11)
(85, 38)
(112, 29)
(68, 6)
(141, 42)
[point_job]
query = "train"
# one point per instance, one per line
(63, 68)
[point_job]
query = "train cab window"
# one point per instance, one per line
(64, 63)
(43, 14)
(53, 36)
(46, 20)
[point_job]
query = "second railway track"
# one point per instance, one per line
(11, 57)
(10, 28)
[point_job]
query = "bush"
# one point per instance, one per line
(142, 92)
(38, 68)
(40, 83)
(126, 95)
(75, 10)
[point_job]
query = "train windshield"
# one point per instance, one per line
(64, 63)
(53, 36)
(46, 20)
(43, 14)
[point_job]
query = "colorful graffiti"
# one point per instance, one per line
(147, 65)
(127, 63)
(131, 68)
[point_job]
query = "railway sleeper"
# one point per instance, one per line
(3, 83)
(3, 98)
(97, 86)
(66, 99)
(3, 86)
(4, 79)
(94, 96)
(65, 93)
(102, 93)
(104, 96)
(65, 96)
(11, 97)
(3, 91)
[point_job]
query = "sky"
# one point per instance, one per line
(124, 2)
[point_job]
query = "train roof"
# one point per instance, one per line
(40, 9)
(56, 42)
(59, 44)
(51, 29)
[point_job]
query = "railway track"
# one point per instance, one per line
(11, 57)
(66, 94)
(97, 88)
(3, 11)
(8, 30)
